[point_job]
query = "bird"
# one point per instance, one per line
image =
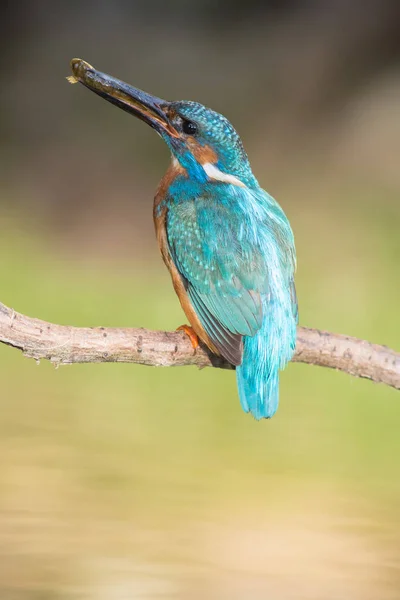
(226, 242)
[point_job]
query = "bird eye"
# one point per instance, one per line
(189, 128)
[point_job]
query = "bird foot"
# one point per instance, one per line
(192, 335)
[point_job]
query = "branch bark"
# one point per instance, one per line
(62, 344)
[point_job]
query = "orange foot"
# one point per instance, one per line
(192, 335)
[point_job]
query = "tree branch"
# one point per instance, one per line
(62, 344)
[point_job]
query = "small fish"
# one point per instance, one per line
(79, 68)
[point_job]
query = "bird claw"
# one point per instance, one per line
(192, 335)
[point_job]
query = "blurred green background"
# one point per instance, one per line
(120, 481)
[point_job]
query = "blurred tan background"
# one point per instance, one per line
(119, 481)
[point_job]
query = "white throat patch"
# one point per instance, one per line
(215, 174)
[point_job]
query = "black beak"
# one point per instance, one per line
(150, 109)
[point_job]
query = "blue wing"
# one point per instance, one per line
(236, 257)
(224, 274)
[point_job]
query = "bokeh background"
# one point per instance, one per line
(120, 481)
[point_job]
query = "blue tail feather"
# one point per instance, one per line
(261, 398)
(263, 356)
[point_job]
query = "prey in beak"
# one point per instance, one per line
(150, 109)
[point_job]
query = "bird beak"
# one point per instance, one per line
(150, 109)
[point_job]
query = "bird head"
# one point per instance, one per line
(204, 143)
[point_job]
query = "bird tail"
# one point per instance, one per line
(261, 398)
(263, 355)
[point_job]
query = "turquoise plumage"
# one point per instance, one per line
(235, 249)
(227, 243)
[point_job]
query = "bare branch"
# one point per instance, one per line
(62, 344)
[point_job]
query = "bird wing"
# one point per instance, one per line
(223, 273)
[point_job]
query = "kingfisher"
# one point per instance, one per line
(226, 242)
